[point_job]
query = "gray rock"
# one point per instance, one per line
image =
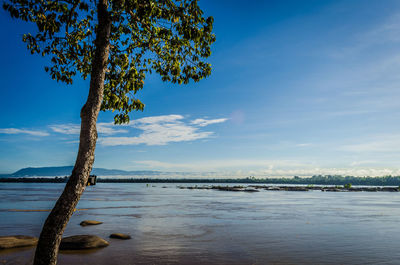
(391, 189)
(120, 236)
(251, 190)
(273, 188)
(294, 188)
(90, 222)
(82, 242)
(333, 189)
(17, 241)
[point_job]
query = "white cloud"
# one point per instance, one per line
(66, 128)
(204, 122)
(155, 130)
(102, 128)
(225, 165)
(23, 131)
(109, 128)
(163, 165)
(379, 143)
(262, 168)
(364, 162)
(161, 130)
(386, 32)
(303, 144)
(159, 119)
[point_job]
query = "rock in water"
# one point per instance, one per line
(251, 190)
(90, 222)
(120, 236)
(82, 242)
(17, 241)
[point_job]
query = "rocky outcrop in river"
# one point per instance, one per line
(255, 188)
(82, 242)
(17, 241)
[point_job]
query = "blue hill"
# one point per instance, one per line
(66, 171)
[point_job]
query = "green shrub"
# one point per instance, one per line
(347, 186)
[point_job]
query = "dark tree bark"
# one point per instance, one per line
(53, 228)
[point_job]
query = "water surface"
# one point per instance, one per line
(178, 226)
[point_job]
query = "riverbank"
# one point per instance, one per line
(314, 180)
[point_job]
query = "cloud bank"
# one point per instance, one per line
(164, 129)
(153, 130)
(23, 131)
(107, 128)
(264, 168)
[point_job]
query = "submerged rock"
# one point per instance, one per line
(227, 188)
(294, 188)
(272, 188)
(370, 189)
(311, 187)
(391, 189)
(90, 222)
(332, 189)
(120, 236)
(251, 190)
(17, 241)
(82, 242)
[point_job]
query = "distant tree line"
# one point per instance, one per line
(34, 180)
(316, 180)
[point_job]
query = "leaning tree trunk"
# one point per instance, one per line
(53, 228)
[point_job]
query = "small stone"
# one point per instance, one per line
(120, 236)
(17, 241)
(90, 222)
(82, 242)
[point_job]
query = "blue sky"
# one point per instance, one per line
(298, 88)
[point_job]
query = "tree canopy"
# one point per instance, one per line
(170, 38)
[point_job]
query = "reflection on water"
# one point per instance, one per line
(179, 226)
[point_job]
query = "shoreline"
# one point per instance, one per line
(387, 181)
(230, 186)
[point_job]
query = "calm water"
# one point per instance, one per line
(174, 226)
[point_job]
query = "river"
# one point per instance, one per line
(169, 225)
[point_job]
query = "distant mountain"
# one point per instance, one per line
(43, 171)
(66, 171)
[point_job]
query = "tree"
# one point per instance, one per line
(115, 44)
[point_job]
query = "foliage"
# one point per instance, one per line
(347, 185)
(167, 37)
